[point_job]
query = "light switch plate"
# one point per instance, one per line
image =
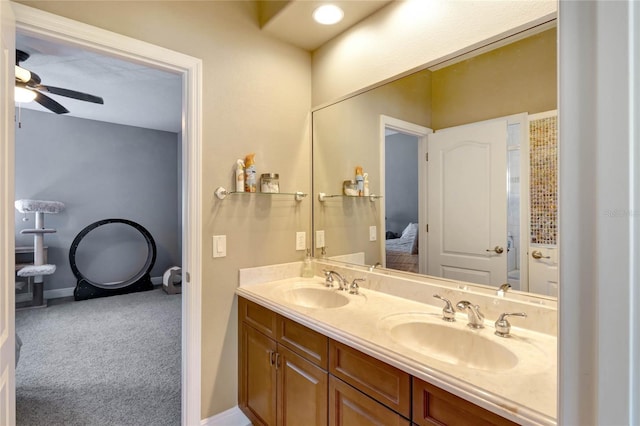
(319, 239)
(373, 233)
(301, 240)
(219, 245)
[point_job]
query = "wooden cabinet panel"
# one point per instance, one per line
(302, 391)
(259, 317)
(386, 384)
(307, 343)
(350, 407)
(434, 406)
(258, 399)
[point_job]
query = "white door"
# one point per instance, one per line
(543, 269)
(467, 203)
(7, 268)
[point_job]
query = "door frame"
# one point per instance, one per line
(420, 132)
(56, 28)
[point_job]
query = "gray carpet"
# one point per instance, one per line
(108, 361)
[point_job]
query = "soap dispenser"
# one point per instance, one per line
(307, 266)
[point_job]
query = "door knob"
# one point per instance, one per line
(537, 254)
(497, 249)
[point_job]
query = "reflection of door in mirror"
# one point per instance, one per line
(404, 169)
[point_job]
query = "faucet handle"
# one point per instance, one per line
(354, 287)
(503, 327)
(448, 313)
(328, 281)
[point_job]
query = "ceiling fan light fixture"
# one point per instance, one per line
(328, 14)
(22, 74)
(24, 95)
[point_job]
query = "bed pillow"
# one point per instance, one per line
(411, 233)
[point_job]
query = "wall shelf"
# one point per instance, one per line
(222, 193)
(322, 197)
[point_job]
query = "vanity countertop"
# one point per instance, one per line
(524, 393)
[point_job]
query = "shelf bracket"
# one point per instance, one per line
(221, 193)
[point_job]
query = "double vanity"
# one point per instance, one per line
(384, 350)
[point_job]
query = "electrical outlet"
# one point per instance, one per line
(301, 240)
(219, 245)
(373, 233)
(319, 239)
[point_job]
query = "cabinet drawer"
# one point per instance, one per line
(349, 406)
(259, 317)
(307, 343)
(434, 406)
(386, 384)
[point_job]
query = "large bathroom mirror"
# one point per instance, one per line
(459, 169)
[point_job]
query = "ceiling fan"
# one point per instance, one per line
(28, 85)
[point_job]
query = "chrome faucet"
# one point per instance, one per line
(329, 278)
(448, 313)
(502, 290)
(476, 319)
(372, 267)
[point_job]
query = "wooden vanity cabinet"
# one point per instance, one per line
(434, 406)
(291, 375)
(281, 379)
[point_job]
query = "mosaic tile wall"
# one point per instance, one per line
(543, 149)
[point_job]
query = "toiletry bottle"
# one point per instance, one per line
(359, 181)
(366, 184)
(239, 176)
(307, 266)
(250, 184)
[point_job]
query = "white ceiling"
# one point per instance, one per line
(294, 22)
(133, 94)
(140, 96)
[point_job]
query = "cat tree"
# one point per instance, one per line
(38, 269)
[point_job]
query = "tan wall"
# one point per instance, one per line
(519, 77)
(256, 99)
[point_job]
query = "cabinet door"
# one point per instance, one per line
(258, 375)
(350, 407)
(434, 406)
(302, 390)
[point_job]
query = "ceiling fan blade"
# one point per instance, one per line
(71, 94)
(50, 104)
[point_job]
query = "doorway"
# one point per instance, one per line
(55, 28)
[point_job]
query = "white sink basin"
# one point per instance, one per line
(312, 297)
(451, 343)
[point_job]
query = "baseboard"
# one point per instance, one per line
(68, 291)
(58, 293)
(231, 417)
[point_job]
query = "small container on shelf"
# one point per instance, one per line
(350, 188)
(270, 183)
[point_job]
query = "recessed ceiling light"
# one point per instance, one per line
(328, 14)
